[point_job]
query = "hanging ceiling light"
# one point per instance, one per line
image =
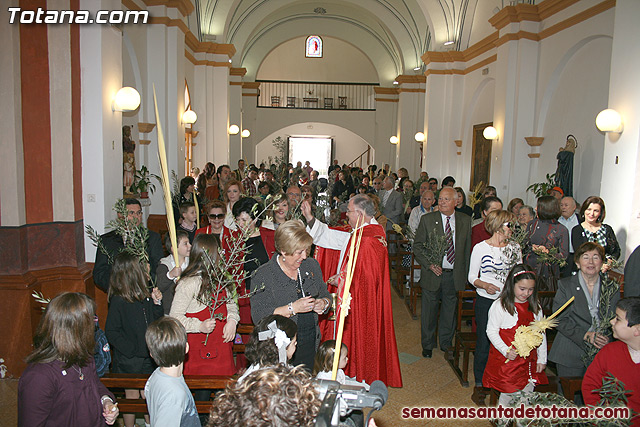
(245, 133)
(393, 139)
(419, 137)
(234, 129)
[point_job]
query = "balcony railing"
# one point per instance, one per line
(316, 95)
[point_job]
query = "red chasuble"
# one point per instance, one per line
(514, 375)
(368, 330)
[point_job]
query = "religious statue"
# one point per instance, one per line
(128, 159)
(564, 173)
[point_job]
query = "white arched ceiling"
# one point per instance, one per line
(392, 33)
(387, 68)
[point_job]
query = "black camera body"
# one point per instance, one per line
(338, 399)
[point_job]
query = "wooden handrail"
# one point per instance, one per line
(367, 152)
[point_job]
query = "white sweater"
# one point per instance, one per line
(488, 263)
(185, 302)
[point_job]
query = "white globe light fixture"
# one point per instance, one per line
(127, 99)
(490, 133)
(245, 133)
(234, 129)
(393, 139)
(609, 121)
(419, 137)
(189, 117)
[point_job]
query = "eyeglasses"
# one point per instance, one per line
(508, 224)
(216, 216)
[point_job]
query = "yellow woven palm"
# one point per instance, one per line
(529, 337)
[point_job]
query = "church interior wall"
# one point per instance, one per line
(385, 59)
(581, 93)
(341, 62)
(101, 134)
(478, 109)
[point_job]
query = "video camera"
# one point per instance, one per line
(340, 400)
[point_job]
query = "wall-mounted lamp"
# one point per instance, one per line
(419, 137)
(490, 133)
(245, 133)
(234, 129)
(127, 99)
(609, 121)
(393, 139)
(189, 117)
(449, 43)
(395, 82)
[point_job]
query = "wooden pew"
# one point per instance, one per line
(117, 382)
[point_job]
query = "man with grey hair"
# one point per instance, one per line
(391, 202)
(569, 219)
(368, 328)
(441, 281)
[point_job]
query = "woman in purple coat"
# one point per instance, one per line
(60, 385)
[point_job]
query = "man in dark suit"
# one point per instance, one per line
(114, 243)
(391, 202)
(441, 282)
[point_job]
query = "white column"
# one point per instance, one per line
(514, 111)
(621, 165)
(101, 134)
(410, 121)
(219, 112)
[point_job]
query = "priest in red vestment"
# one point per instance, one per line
(368, 330)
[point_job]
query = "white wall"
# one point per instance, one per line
(581, 94)
(347, 144)
(562, 92)
(101, 133)
(341, 62)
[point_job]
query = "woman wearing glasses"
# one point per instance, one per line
(489, 266)
(577, 323)
(216, 212)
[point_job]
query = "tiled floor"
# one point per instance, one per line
(427, 382)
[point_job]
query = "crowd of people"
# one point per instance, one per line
(298, 234)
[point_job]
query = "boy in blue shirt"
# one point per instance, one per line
(169, 400)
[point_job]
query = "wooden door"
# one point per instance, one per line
(480, 157)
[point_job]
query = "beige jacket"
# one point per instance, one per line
(185, 302)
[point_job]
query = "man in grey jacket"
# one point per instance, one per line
(391, 202)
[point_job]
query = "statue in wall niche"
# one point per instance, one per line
(564, 173)
(128, 160)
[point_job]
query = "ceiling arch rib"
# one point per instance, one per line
(255, 52)
(398, 26)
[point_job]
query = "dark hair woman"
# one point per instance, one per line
(60, 385)
(545, 233)
(192, 290)
(592, 229)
